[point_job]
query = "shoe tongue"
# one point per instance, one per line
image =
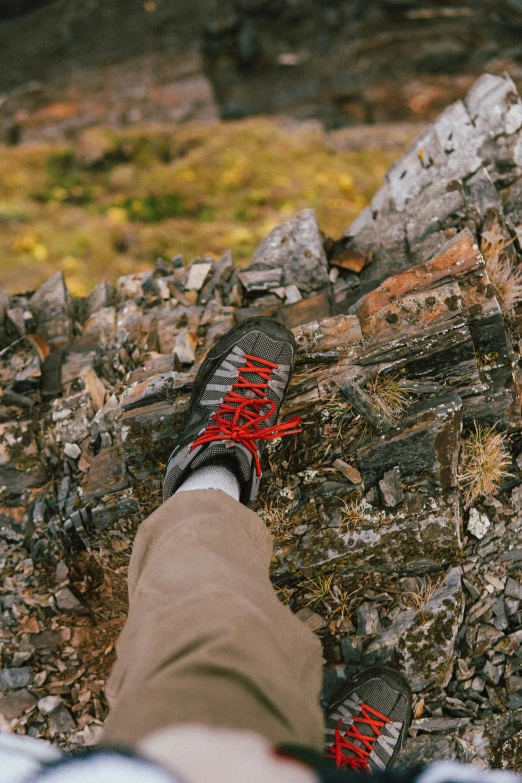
(238, 458)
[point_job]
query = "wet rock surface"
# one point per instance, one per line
(385, 544)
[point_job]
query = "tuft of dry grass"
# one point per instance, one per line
(506, 281)
(276, 519)
(318, 589)
(341, 599)
(352, 513)
(483, 464)
(388, 395)
(421, 598)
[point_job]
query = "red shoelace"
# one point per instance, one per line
(245, 424)
(358, 762)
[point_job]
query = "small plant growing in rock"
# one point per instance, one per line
(420, 599)
(388, 395)
(318, 589)
(341, 599)
(352, 513)
(275, 518)
(506, 281)
(285, 594)
(483, 464)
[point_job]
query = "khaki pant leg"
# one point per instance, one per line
(207, 640)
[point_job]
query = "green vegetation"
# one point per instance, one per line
(112, 201)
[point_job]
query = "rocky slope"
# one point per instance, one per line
(397, 511)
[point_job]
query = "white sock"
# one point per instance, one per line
(212, 477)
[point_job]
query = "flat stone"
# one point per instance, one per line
(481, 194)
(513, 588)
(47, 704)
(351, 649)
(515, 700)
(426, 746)
(197, 275)
(427, 447)
(367, 619)
(16, 677)
(424, 640)
(296, 248)
(106, 516)
(156, 387)
(51, 381)
(436, 725)
(312, 308)
(351, 473)
(15, 704)
(261, 280)
(106, 474)
(12, 398)
(318, 336)
(492, 673)
(61, 572)
(421, 534)
(223, 269)
(311, 619)
(66, 600)
(49, 639)
(61, 720)
(390, 488)
(95, 388)
(28, 379)
(458, 257)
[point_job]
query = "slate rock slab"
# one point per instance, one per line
(420, 534)
(422, 640)
(15, 677)
(15, 704)
(296, 246)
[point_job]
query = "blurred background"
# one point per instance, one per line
(132, 129)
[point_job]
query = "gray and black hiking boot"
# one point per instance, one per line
(235, 401)
(368, 720)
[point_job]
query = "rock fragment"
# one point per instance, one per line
(390, 488)
(478, 524)
(15, 677)
(197, 275)
(296, 247)
(52, 309)
(367, 619)
(16, 703)
(310, 618)
(66, 600)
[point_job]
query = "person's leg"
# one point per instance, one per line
(207, 640)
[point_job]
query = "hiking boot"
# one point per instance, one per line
(234, 405)
(368, 719)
